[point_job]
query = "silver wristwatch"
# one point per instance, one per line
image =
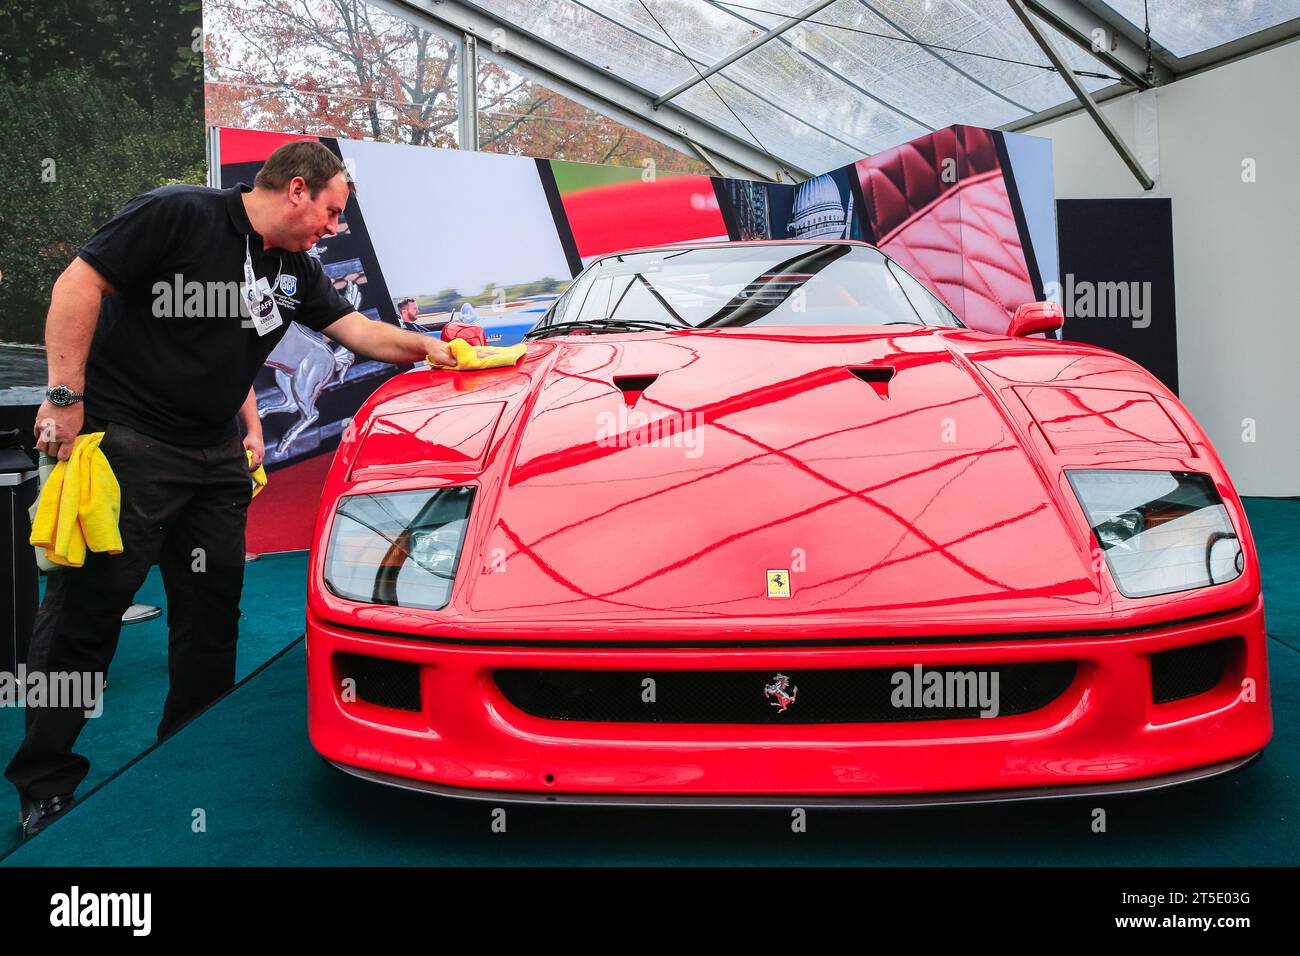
(62, 396)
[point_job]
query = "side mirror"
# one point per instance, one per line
(1035, 317)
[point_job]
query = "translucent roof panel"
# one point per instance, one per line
(978, 85)
(1185, 27)
(611, 34)
(860, 77)
(620, 36)
(756, 87)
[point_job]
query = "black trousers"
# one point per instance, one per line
(184, 509)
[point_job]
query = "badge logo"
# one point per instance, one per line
(781, 693)
(778, 584)
(288, 284)
(262, 308)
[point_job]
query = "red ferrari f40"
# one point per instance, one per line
(765, 523)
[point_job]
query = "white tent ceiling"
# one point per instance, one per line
(852, 77)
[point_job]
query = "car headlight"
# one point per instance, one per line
(1161, 531)
(398, 549)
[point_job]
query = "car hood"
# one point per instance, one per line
(730, 481)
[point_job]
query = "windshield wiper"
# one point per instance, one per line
(603, 325)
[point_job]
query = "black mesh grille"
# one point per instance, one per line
(1188, 671)
(740, 697)
(382, 682)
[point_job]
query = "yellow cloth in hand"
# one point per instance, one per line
(467, 359)
(79, 507)
(258, 475)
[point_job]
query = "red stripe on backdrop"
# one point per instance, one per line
(623, 215)
(283, 516)
(253, 146)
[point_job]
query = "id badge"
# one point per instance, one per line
(262, 308)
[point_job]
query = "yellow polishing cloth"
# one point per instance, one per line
(258, 475)
(79, 506)
(467, 359)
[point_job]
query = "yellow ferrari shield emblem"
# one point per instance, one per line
(778, 584)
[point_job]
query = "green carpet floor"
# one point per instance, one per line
(1275, 523)
(246, 769)
(275, 595)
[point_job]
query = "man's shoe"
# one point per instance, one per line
(38, 814)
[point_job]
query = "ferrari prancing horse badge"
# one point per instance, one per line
(778, 584)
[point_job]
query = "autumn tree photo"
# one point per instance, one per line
(347, 68)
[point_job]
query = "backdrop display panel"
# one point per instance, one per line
(467, 235)
(1117, 259)
(946, 207)
(495, 239)
(824, 207)
(611, 208)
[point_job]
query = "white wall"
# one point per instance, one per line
(1236, 245)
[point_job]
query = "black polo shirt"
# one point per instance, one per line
(175, 354)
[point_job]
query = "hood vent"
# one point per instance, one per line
(633, 385)
(877, 376)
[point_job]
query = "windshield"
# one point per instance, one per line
(734, 285)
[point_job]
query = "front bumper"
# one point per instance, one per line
(900, 801)
(1103, 734)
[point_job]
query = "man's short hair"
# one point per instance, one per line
(306, 158)
(403, 303)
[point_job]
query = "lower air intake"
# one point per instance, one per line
(860, 696)
(381, 682)
(1188, 671)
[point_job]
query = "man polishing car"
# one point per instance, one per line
(165, 385)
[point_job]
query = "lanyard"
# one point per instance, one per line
(249, 277)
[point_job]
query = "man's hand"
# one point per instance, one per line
(252, 429)
(56, 428)
(254, 444)
(439, 353)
